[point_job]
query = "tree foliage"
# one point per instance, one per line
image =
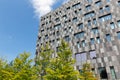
(43, 60)
(19, 69)
(46, 66)
(86, 73)
(62, 66)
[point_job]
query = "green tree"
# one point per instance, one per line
(43, 60)
(62, 67)
(19, 69)
(86, 73)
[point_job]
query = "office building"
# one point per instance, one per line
(92, 28)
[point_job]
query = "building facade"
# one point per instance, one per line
(92, 28)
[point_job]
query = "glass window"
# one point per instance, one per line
(46, 36)
(89, 23)
(90, 14)
(112, 25)
(107, 0)
(80, 26)
(98, 3)
(88, 7)
(78, 58)
(107, 8)
(65, 17)
(118, 22)
(98, 40)
(81, 57)
(76, 12)
(105, 18)
(67, 38)
(112, 72)
(78, 44)
(57, 19)
(94, 21)
(76, 5)
(83, 43)
(101, 10)
(108, 37)
(80, 11)
(79, 35)
(118, 35)
(93, 54)
(57, 26)
(75, 19)
(92, 41)
(118, 3)
(68, 8)
(89, 1)
(58, 33)
(103, 73)
(95, 30)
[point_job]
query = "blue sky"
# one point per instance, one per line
(19, 25)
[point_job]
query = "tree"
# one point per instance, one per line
(19, 69)
(86, 73)
(43, 60)
(62, 67)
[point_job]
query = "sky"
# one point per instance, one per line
(19, 24)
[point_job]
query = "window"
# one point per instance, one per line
(105, 18)
(70, 29)
(94, 30)
(101, 10)
(94, 21)
(112, 72)
(76, 5)
(89, 23)
(80, 11)
(57, 26)
(68, 8)
(78, 44)
(93, 54)
(107, 8)
(74, 19)
(89, 1)
(103, 73)
(92, 41)
(80, 26)
(76, 12)
(108, 37)
(42, 30)
(118, 22)
(83, 43)
(65, 17)
(58, 33)
(67, 38)
(118, 3)
(98, 40)
(39, 38)
(112, 25)
(118, 35)
(79, 35)
(98, 3)
(81, 57)
(57, 19)
(46, 36)
(90, 14)
(107, 0)
(88, 7)
(53, 41)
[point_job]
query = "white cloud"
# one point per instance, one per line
(65, 1)
(42, 6)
